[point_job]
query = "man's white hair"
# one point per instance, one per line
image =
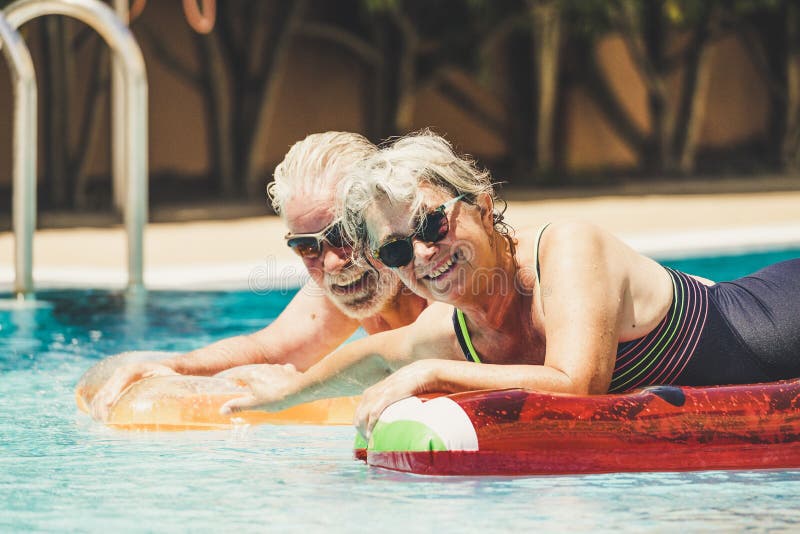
(317, 163)
(394, 174)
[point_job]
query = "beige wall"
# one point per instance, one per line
(737, 106)
(325, 88)
(177, 123)
(435, 111)
(591, 143)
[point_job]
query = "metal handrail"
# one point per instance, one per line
(24, 155)
(119, 186)
(133, 156)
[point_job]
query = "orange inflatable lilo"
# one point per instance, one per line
(180, 402)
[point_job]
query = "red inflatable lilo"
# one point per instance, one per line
(659, 428)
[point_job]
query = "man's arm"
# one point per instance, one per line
(310, 327)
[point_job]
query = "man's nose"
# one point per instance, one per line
(335, 259)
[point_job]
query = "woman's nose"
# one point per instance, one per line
(423, 251)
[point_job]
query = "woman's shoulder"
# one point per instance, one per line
(434, 313)
(432, 334)
(564, 233)
(562, 227)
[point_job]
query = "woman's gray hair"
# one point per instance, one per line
(317, 163)
(394, 175)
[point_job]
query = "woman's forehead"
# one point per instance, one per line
(384, 218)
(394, 219)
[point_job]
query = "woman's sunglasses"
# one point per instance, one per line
(309, 246)
(399, 252)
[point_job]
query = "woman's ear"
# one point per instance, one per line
(486, 205)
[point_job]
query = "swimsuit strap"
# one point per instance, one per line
(460, 322)
(536, 256)
(462, 334)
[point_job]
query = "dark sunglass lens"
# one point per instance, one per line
(396, 253)
(305, 247)
(434, 227)
(334, 236)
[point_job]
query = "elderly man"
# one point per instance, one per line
(341, 295)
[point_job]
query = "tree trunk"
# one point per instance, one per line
(790, 149)
(688, 151)
(520, 52)
(642, 28)
(661, 117)
(406, 73)
(595, 82)
(274, 72)
(547, 40)
(384, 100)
(83, 152)
(406, 90)
(215, 84)
(370, 51)
(698, 81)
(56, 113)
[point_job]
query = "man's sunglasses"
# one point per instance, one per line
(399, 251)
(309, 246)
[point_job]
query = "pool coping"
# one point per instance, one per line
(277, 273)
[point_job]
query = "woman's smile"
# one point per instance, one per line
(442, 270)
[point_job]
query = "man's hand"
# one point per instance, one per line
(119, 382)
(268, 384)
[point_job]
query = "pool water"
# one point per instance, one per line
(721, 268)
(60, 471)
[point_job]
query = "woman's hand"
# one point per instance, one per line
(413, 379)
(268, 384)
(122, 378)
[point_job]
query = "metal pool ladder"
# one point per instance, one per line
(129, 127)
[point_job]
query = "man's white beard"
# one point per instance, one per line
(382, 291)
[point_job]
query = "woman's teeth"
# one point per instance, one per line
(441, 270)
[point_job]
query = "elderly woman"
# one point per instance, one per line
(569, 308)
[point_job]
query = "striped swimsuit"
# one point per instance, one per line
(738, 332)
(661, 356)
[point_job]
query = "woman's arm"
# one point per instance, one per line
(440, 376)
(583, 292)
(356, 365)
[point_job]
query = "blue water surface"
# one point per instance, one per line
(60, 471)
